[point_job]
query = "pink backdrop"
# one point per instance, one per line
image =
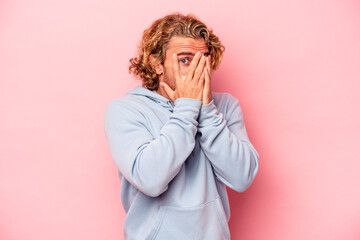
(294, 66)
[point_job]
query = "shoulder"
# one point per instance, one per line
(123, 101)
(126, 107)
(224, 100)
(223, 96)
(128, 100)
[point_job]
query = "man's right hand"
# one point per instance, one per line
(191, 85)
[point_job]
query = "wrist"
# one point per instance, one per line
(206, 101)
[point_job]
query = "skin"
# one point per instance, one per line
(186, 74)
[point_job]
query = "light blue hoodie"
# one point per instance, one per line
(174, 161)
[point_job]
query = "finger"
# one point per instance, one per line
(175, 67)
(200, 68)
(207, 80)
(168, 91)
(193, 65)
(202, 78)
(207, 96)
(208, 63)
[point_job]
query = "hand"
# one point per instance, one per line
(207, 96)
(191, 85)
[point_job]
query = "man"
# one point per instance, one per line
(177, 144)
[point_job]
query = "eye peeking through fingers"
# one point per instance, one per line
(185, 61)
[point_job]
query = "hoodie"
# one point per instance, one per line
(175, 160)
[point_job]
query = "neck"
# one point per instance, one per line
(161, 92)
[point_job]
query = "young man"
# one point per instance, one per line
(177, 144)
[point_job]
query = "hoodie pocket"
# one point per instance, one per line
(206, 221)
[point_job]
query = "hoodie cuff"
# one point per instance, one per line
(189, 106)
(209, 115)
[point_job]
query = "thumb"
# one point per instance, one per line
(168, 91)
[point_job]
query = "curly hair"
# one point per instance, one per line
(155, 40)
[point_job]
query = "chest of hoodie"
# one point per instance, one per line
(195, 182)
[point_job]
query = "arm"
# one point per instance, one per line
(149, 163)
(227, 146)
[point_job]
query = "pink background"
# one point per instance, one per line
(294, 66)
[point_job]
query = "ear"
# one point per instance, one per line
(156, 66)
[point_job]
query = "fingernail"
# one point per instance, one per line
(198, 53)
(174, 55)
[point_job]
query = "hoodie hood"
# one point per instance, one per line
(142, 92)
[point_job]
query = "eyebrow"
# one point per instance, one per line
(190, 53)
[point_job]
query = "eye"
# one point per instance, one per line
(185, 61)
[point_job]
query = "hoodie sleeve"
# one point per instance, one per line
(150, 163)
(226, 144)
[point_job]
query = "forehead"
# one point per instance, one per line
(185, 44)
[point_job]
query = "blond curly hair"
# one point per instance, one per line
(156, 38)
